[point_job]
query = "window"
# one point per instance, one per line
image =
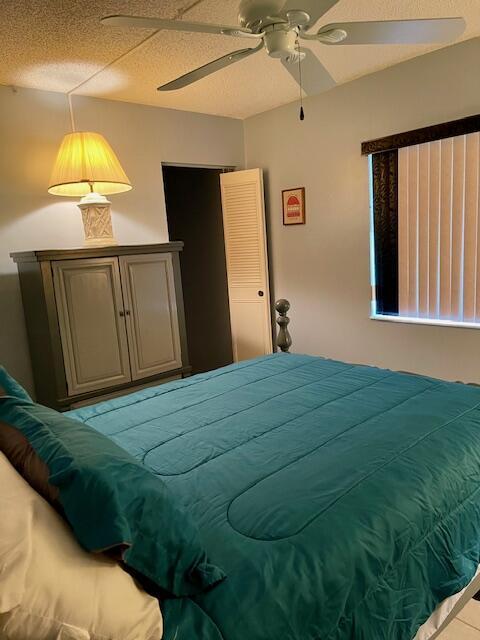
(426, 224)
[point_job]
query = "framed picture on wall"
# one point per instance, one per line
(294, 206)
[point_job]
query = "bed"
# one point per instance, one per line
(342, 501)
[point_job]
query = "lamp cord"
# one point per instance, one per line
(177, 16)
(70, 107)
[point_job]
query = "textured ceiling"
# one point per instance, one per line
(58, 45)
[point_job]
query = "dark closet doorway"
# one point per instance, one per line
(194, 215)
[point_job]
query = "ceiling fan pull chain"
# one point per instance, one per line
(302, 113)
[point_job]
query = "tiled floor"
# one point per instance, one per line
(466, 626)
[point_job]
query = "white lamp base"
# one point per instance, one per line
(97, 221)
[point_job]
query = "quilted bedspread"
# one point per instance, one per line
(342, 501)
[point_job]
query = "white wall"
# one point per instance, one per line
(323, 267)
(32, 124)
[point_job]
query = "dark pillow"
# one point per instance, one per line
(25, 460)
(10, 387)
(110, 500)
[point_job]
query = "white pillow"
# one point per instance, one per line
(50, 588)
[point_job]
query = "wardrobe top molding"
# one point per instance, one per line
(48, 255)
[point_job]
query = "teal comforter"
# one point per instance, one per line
(343, 502)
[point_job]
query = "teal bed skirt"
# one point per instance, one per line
(342, 501)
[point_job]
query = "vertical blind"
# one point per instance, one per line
(438, 229)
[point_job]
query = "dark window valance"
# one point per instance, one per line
(420, 136)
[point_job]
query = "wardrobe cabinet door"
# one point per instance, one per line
(92, 323)
(151, 314)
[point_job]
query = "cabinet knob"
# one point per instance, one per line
(127, 312)
(122, 313)
(261, 294)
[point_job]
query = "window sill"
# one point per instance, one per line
(425, 321)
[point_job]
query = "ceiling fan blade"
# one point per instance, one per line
(175, 25)
(207, 69)
(315, 8)
(315, 77)
(397, 31)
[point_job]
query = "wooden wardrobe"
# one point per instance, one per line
(102, 321)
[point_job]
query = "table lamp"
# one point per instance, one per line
(87, 166)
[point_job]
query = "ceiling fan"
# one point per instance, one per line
(278, 25)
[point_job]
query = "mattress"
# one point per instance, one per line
(448, 610)
(341, 500)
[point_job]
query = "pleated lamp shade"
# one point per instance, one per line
(86, 162)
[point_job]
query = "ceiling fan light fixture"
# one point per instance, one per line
(280, 41)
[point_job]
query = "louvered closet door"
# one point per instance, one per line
(247, 264)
